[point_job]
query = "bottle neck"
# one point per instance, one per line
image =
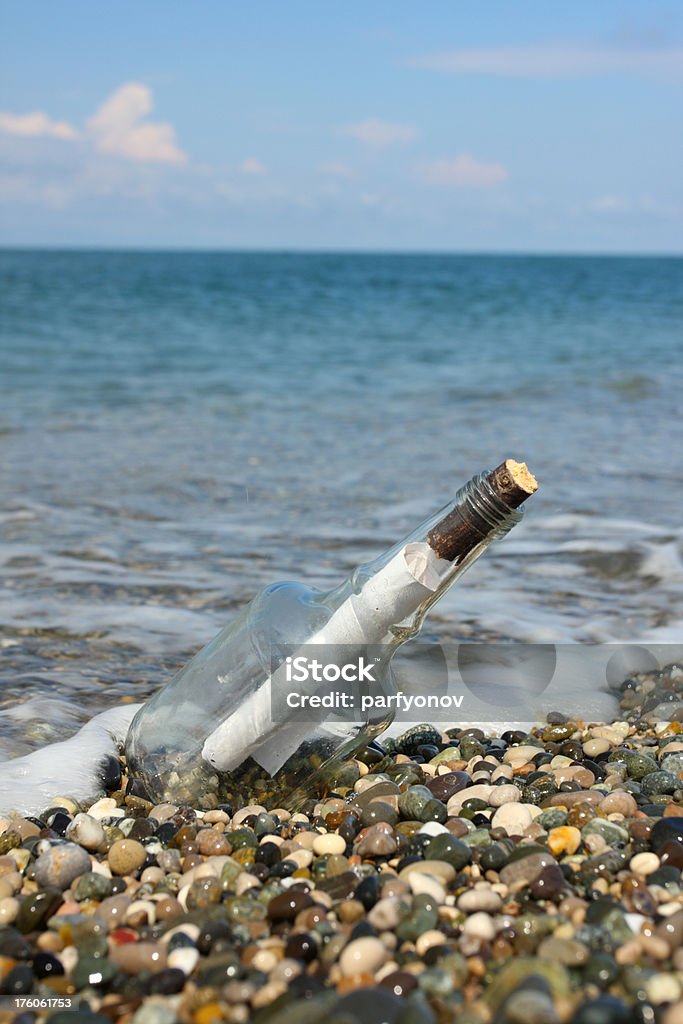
(390, 596)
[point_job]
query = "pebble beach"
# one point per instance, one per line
(455, 876)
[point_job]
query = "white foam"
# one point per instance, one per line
(28, 784)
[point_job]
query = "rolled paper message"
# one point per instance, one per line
(389, 597)
(408, 582)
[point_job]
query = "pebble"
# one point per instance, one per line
(514, 818)
(134, 957)
(126, 856)
(596, 746)
(644, 863)
(59, 866)
(424, 884)
(9, 908)
(363, 956)
(565, 839)
(474, 900)
(501, 795)
(328, 844)
(526, 869)
(451, 897)
(86, 831)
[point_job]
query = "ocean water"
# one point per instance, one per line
(177, 430)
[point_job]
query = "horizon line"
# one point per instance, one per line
(343, 250)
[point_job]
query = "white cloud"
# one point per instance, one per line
(379, 134)
(253, 167)
(556, 61)
(610, 204)
(463, 171)
(36, 125)
(336, 169)
(118, 128)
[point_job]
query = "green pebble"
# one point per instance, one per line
(456, 966)
(640, 765)
(473, 804)
(554, 818)
(34, 910)
(93, 886)
(435, 982)
(418, 736)
(601, 970)
(448, 848)
(660, 782)
(610, 917)
(242, 837)
(449, 754)
(613, 834)
(471, 747)
(478, 837)
(93, 947)
(673, 762)
(265, 825)
(412, 802)
(229, 872)
(415, 923)
(241, 908)
(516, 971)
(558, 733)
(378, 811)
(434, 810)
(9, 840)
(536, 792)
(93, 971)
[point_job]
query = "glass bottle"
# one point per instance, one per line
(220, 732)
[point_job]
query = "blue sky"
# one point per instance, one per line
(444, 125)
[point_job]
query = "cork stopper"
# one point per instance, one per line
(512, 482)
(466, 525)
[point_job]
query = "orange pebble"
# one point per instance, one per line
(564, 839)
(353, 981)
(208, 1014)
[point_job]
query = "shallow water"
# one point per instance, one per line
(177, 430)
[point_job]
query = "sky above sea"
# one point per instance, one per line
(527, 126)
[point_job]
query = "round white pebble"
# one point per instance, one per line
(475, 900)
(480, 926)
(644, 863)
(514, 818)
(504, 795)
(363, 956)
(427, 885)
(432, 828)
(328, 845)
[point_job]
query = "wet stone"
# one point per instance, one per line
(286, 906)
(377, 844)
(36, 909)
(443, 787)
(409, 741)
(126, 856)
(639, 765)
(93, 886)
(549, 884)
(378, 811)
(660, 782)
(413, 801)
(448, 848)
(526, 869)
(59, 866)
(605, 1009)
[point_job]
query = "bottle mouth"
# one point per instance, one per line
(478, 513)
(489, 513)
